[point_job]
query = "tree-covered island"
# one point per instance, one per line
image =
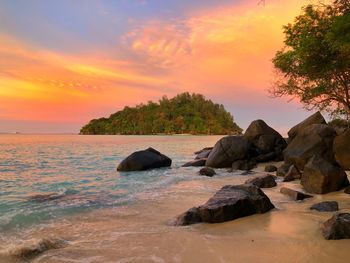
(184, 114)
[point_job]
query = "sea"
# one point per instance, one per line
(66, 188)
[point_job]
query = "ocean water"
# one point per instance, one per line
(79, 172)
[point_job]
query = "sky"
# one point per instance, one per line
(63, 63)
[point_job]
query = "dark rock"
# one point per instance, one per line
(341, 149)
(283, 170)
(144, 160)
(321, 177)
(316, 118)
(207, 171)
(295, 195)
(270, 168)
(196, 163)
(347, 190)
(203, 150)
(292, 174)
(46, 197)
(316, 139)
(229, 203)
(263, 181)
(203, 154)
(327, 206)
(337, 227)
(263, 158)
(264, 138)
(30, 251)
(227, 150)
(243, 165)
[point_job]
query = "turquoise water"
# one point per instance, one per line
(79, 172)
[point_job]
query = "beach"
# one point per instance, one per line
(142, 230)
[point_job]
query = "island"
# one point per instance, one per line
(184, 114)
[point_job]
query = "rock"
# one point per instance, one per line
(203, 150)
(316, 118)
(263, 181)
(229, 203)
(337, 227)
(263, 137)
(270, 168)
(263, 158)
(29, 251)
(283, 170)
(203, 154)
(227, 150)
(295, 195)
(316, 139)
(327, 206)
(321, 177)
(341, 149)
(196, 163)
(292, 174)
(144, 160)
(243, 165)
(207, 171)
(46, 197)
(347, 190)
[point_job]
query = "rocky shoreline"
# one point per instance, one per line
(313, 153)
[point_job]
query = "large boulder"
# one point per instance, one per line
(337, 227)
(264, 138)
(316, 139)
(341, 149)
(243, 165)
(229, 203)
(263, 181)
(316, 118)
(227, 150)
(321, 177)
(144, 160)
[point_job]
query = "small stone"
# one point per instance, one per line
(263, 181)
(295, 195)
(270, 168)
(207, 171)
(327, 206)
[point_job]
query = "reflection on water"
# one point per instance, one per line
(135, 210)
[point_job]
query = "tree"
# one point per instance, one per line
(314, 65)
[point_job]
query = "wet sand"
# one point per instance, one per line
(142, 232)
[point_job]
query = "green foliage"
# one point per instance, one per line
(314, 65)
(185, 113)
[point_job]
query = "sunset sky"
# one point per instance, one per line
(65, 62)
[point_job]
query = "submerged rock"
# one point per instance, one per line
(227, 150)
(316, 139)
(337, 227)
(207, 171)
(263, 181)
(195, 163)
(270, 168)
(295, 195)
(327, 206)
(46, 197)
(37, 247)
(341, 148)
(229, 203)
(316, 118)
(321, 177)
(144, 160)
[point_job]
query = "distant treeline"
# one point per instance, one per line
(184, 114)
